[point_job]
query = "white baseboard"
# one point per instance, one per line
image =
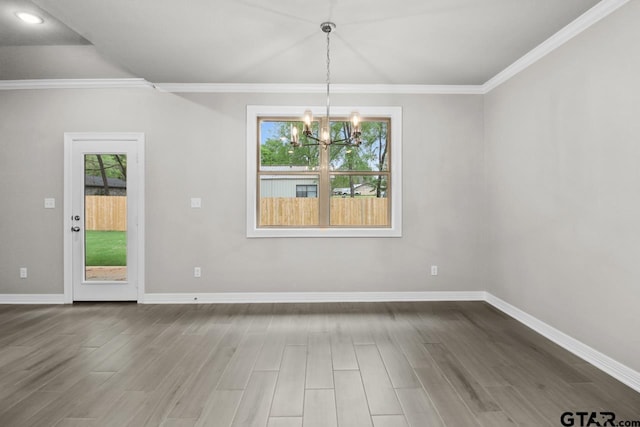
(603, 362)
(304, 297)
(31, 298)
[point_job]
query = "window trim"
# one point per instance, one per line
(254, 112)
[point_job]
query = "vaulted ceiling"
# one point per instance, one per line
(279, 41)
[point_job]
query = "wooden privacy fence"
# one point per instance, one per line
(359, 211)
(343, 211)
(105, 213)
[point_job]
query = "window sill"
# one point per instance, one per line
(322, 232)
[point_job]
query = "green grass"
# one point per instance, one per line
(106, 248)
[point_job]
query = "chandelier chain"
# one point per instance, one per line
(328, 71)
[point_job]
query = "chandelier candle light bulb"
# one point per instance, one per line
(325, 136)
(355, 120)
(308, 118)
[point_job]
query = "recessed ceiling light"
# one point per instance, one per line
(29, 18)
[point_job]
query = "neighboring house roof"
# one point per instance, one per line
(96, 181)
(286, 169)
(285, 177)
(364, 185)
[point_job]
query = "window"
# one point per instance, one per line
(316, 192)
(306, 190)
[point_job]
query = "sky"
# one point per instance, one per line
(268, 131)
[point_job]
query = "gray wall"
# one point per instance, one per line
(563, 169)
(196, 148)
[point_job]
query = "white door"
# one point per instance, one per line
(103, 216)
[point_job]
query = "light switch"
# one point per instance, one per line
(49, 203)
(196, 202)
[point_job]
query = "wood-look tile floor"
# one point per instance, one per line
(285, 365)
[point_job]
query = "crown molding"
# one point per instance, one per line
(75, 84)
(584, 21)
(240, 87)
(319, 88)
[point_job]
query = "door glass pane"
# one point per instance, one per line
(289, 200)
(359, 200)
(105, 216)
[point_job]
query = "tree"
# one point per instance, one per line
(378, 131)
(277, 151)
(105, 182)
(106, 166)
(122, 164)
(114, 165)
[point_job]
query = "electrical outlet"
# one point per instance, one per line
(49, 203)
(197, 272)
(196, 202)
(23, 272)
(434, 270)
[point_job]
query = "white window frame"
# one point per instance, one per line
(256, 111)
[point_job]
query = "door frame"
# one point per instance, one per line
(69, 139)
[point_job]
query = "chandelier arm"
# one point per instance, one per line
(343, 141)
(346, 142)
(314, 138)
(320, 144)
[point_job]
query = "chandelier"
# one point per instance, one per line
(324, 140)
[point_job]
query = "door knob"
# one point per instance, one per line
(76, 218)
(76, 228)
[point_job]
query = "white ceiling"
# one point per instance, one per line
(14, 32)
(435, 42)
